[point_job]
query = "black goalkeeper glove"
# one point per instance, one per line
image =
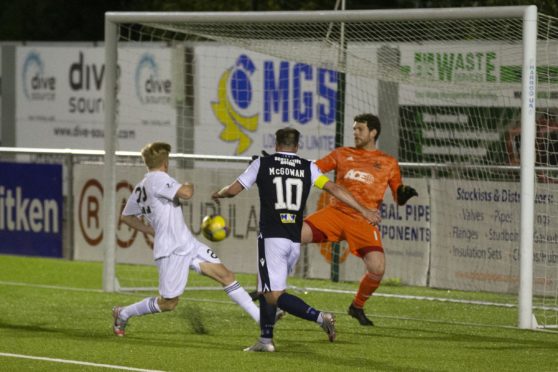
(404, 193)
(254, 157)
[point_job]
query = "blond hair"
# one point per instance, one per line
(155, 154)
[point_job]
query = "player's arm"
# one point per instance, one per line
(404, 193)
(131, 216)
(372, 215)
(401, 193)
(328, 162)
(244, 181)
(185, 192)
(135, 222)
(228, 191)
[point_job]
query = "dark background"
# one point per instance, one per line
(83, 20)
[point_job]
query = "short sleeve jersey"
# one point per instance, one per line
(365, 173)
(284, 181)
(153, 198)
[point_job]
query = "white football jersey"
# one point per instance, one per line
(153, 198)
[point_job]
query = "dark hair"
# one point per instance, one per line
(372, 122)
(287, 137)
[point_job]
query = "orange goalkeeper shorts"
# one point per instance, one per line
(331, 225)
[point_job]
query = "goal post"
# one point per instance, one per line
(109, 175)
(528, 104)
(447, 83)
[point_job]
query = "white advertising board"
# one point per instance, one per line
(476, 237)
(133, 247)
(59, 97)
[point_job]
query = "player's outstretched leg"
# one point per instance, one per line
(232, 288)
(239, 295)
(148, 305)
(254, 295)
(297, 307)
(359, 315)
(328, 325)
(119, 325)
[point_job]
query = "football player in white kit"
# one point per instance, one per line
(284, 181)
(175, 249)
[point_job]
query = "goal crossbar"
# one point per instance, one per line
(319, 16)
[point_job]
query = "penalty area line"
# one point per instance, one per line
(68, 361)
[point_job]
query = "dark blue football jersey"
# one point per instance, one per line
(284, 181)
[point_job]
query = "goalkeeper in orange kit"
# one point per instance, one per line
(366, 172)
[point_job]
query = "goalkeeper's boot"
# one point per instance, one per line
(119, 325)
(358, 314)
(261, 346)
(328, 325)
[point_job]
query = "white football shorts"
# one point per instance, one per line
(277, 258)
(174, 269)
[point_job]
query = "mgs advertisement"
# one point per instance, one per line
(244, 97)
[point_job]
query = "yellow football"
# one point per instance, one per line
(214, 228)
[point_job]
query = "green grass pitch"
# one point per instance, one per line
(54, 309)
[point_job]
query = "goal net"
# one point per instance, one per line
(452, 88)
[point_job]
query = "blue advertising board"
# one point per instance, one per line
(31, 209)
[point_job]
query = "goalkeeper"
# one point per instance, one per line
(366, 172)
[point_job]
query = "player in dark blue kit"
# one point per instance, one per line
(284, 181)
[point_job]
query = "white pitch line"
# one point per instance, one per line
(67, 361)
(428, 298)
(305, 290)
(51, 287)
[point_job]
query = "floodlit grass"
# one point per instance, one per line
(43, 315)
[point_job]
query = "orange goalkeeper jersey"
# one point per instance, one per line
(365, 173)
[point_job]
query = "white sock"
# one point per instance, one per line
(239, 295)
(320, 319)
(264, 340)
(146, 306)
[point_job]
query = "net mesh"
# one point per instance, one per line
(448, 93)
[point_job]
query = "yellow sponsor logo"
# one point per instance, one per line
(235, 125)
